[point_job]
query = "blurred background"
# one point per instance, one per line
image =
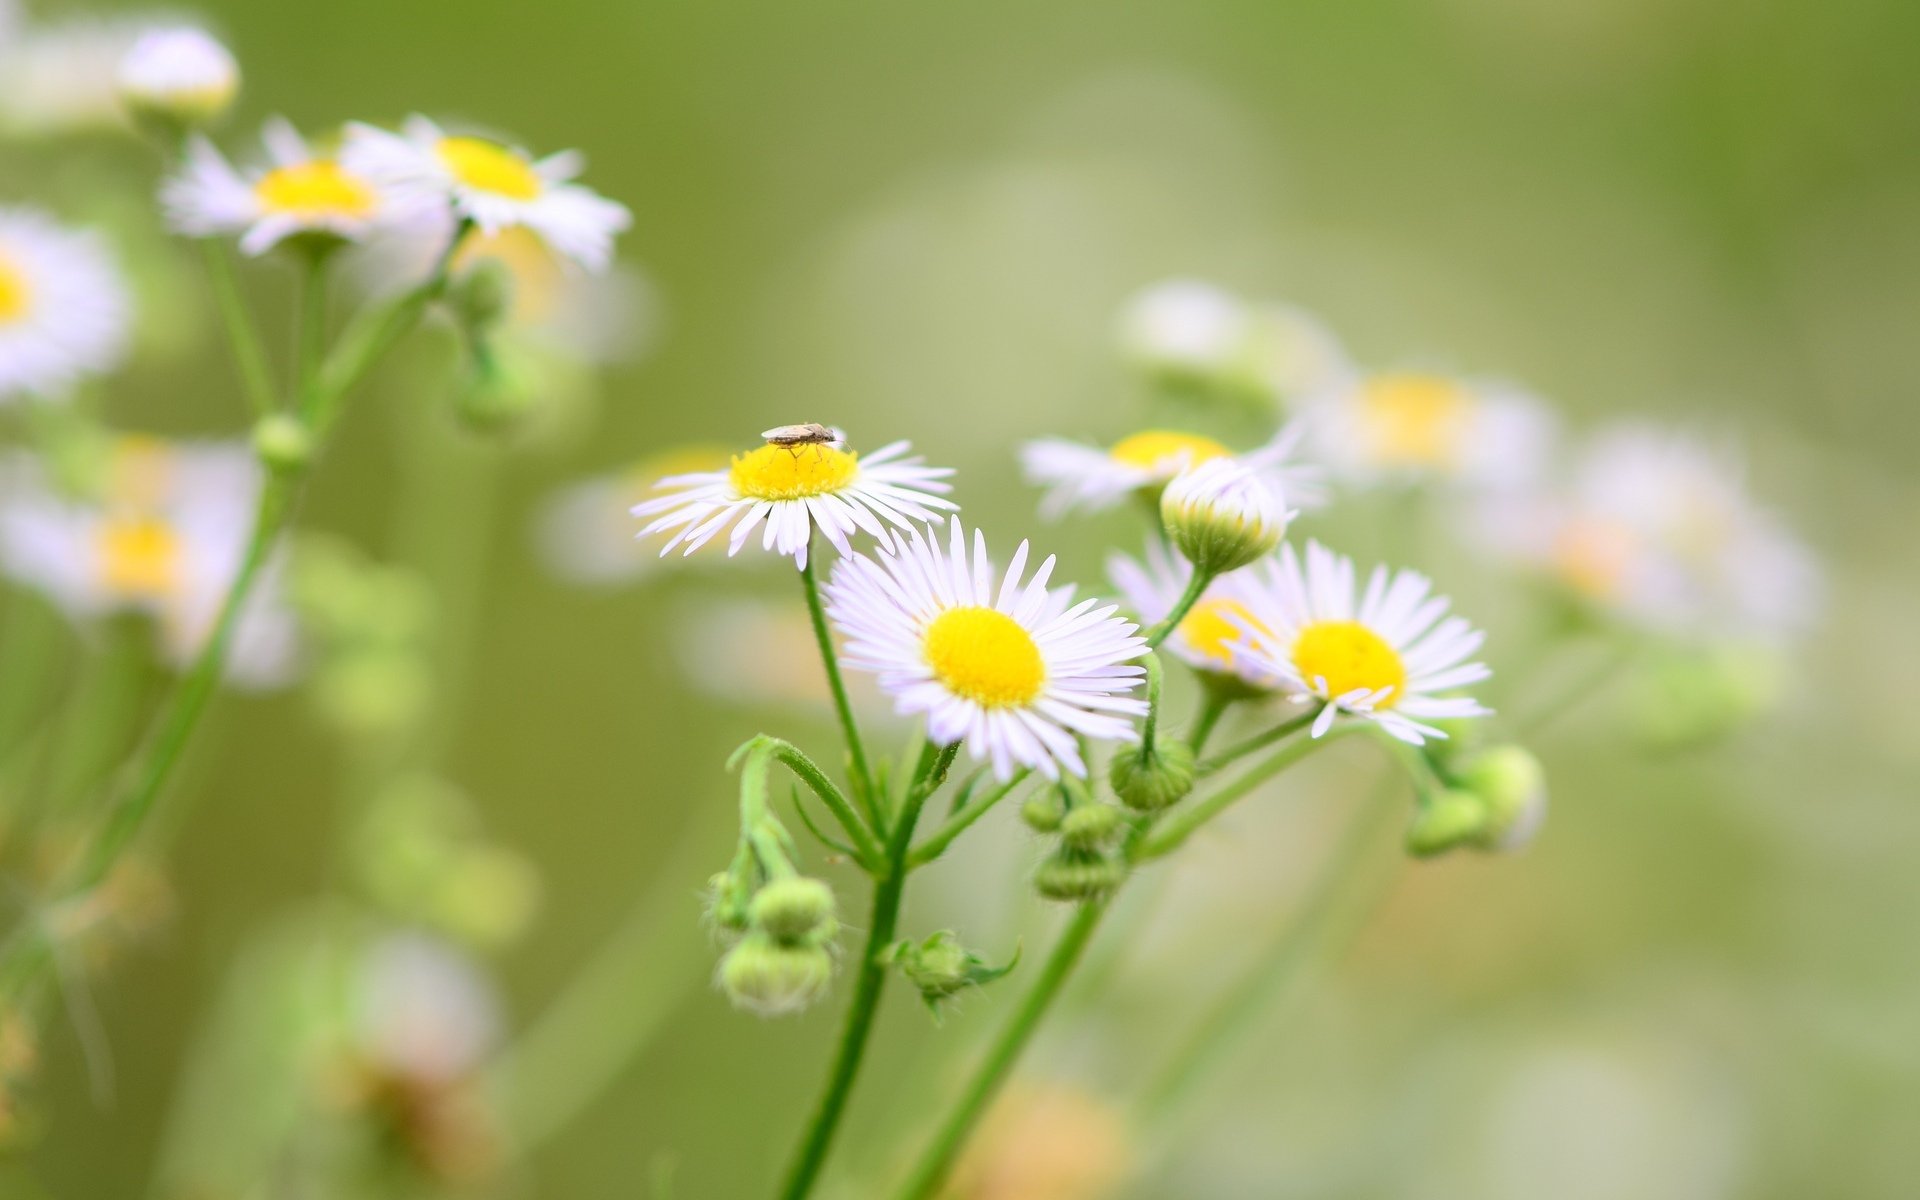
(920, 222)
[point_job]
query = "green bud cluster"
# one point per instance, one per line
(1084, 866)
(370, 624)
(784, 961)
(1154, 779)
(421, 855)
(1496, 800)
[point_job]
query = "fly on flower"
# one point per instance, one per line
(297, 193)
(492, 184)
(788, 495)
(1390, 658)
(63, 307)
(1079, 476)
(1016, 669)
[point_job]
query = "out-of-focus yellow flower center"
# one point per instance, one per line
(16, 294)
(532, 265)
(678, 460)
(139, 558)
(1592, 557)
(1349, 656)
(985, 656)
(1210, 631)
(310, 190)
(1416, 420)
(1166, 448)
(793, 473)
(488, 167)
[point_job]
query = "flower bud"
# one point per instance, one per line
(795, 911)
(283, 443)
(1044, 811)
(1091, 826)
(1220, 516)
(1070, 874)
(1447, 820)
(179, 76)
(728, 903)
(1513, 786)
(1183, 330)
(770, 979)
(1149, 782)
(482, 296)
(496, 396)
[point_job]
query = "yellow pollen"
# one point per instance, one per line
(532, 265)
(310, 190)
(1349, 656)
(487, 167)
(1153, 447)
(16, 294)
(1210, 631)
(793, 473)
(1592, 557)
(1416, 420)
(985, 656)
(139, 558)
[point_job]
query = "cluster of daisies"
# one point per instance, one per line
(1024, 673)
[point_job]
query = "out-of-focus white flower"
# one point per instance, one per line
(1388, 658)
(794, 490)
(1206, 637)
(585, 529)
(1222, 516)
(164, 538)
(737, 651)
(179, 72)
(1188, 331)
(63, 77)
(1046, 1142)
(1079, 476)
(1011, 667)
(63, 307)
(1658, 529)
(298, 192)
(496, 186)
(1410, 426)
(425, 1014)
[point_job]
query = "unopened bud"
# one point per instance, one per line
(181, 76)
(1091, 827)
(940, 967)
(771, 979)
(482, 295)
(1446, 821)
(497, 396)
(794, 911)
(1149, 782)
(1221, 516)
(1070, 874)
(1513, 785)
(728, 903)
(1044, 812)
(283, 443)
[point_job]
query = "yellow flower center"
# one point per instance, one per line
(16, 294)
(1153, 448)
(1416, 420)
(529, 262)
(139, 558)
(487, 167)
(985, 656)
(1592, 556)
(309, 190)
(793, 473)
(1349, 656)
(1210, 631)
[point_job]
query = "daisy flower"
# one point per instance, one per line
(178, 72)
(1079, 476)
(163, 538)
(1206, 638)
(1659, 530)
(298, 192)
(60, 77)
(790, 491)
(1408, 425)
(1017, 672)
(496, 186)
(1387, 659)
(63, 307)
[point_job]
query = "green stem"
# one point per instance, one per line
(1182, 825)
(868, 850)
(936, 1162)
(1259, 741)
(1293, 949)
(936, 844)
(856, 752)
(243, 336)
(1196, 587)
(888, 891)
(1151, 726)
(1211, 710)
(310, 345)
(1569, 696)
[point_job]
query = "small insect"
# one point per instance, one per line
(792, 437)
